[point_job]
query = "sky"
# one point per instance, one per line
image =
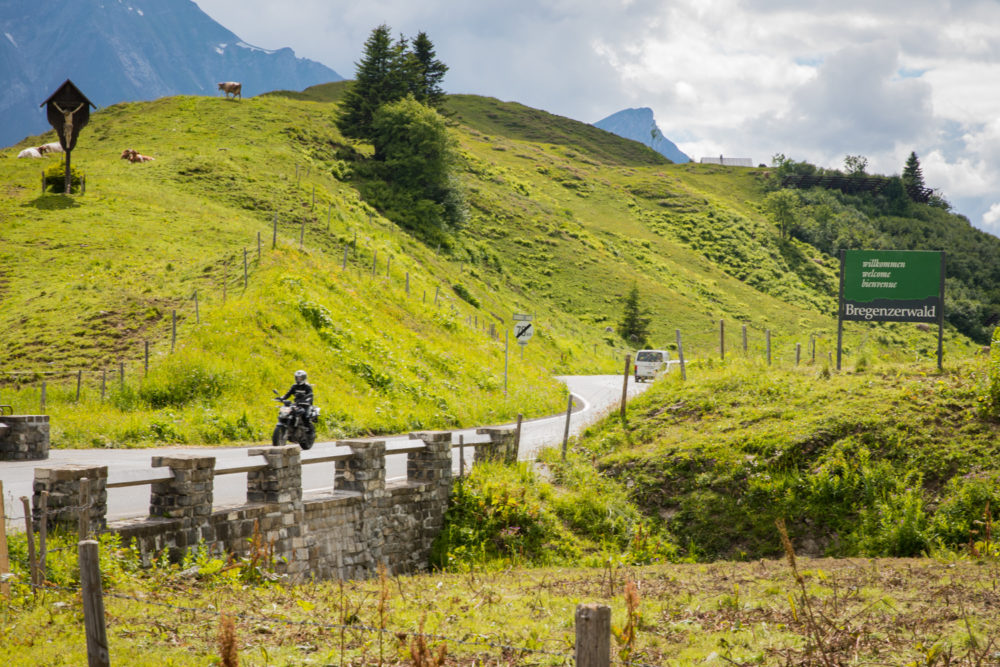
(814, 80)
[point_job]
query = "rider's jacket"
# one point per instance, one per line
(303, 393)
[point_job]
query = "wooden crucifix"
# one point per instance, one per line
(68, 111)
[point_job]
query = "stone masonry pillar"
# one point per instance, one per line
(64, 485)
(364, 473)
(24, 437)
(187, 496)
(280, 485)
(432, 464)
(281, 480)
(502, 446)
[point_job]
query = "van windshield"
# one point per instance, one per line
(649, 355)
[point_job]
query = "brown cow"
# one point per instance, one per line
(134, 156)
(234, 88)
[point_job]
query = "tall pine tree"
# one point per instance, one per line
(913, 177)
(380, 78)
(634, 327)
(429, 72)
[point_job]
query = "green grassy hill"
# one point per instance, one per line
(563, 219)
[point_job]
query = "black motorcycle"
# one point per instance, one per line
(296, 423)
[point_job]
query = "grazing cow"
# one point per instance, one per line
(234, 88)
(30, 152)
(134, 156)
(53, 147)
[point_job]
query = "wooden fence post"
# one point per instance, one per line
(388, 266)
(722, 340)
(812, 344)
(29, 531)
(628, 365)
(680, 355)
(407, 283)
(258, 246)
(768, 336)
(517, 435)
(744, 340)
(245, 274)
(437, 288)
(569, 413)
(121, 376)
(79, 381)
(83, 513)
(4, 554)
(93, 606)
(798, 353)
(302, 234)
(104, 383)
(374, 261)
(593, 635)
(43, 534)
(197, 311)
(274, 235)
(173, 324)
(145, 359)
(43, 396)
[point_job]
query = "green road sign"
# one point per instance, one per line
(892, 286)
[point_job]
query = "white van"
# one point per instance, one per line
(650, 363)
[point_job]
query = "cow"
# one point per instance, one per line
(134, 156)
(234, 88)
(30, 152)
(53, 147)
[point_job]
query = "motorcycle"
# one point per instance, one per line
(295, 424)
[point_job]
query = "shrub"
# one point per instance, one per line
(464, 294)
(54, 178)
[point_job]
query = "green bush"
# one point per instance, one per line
(54, 179)
(463, 293)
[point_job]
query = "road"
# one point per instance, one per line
(595, 396)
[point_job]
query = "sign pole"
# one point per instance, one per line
(940, 349)
(840, 311)
(506, 353)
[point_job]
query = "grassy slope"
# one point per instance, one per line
(893, 459)
(563, 218)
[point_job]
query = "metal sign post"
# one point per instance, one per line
(524, 329)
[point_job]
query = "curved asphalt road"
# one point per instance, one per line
(595, 396)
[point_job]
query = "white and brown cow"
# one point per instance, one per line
(234, 88)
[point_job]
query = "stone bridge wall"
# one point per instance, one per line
(344, 533)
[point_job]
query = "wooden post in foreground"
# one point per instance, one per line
(680, 355)
(93, 606)
(517, 435)
(29, 531)
(593, 635)
(4, 557)
(43, 535)
(628, 365)
(569, 413)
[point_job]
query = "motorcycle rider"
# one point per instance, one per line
(303, 393)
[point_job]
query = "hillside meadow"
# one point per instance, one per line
(562, 220)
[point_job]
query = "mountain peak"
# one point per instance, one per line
(640, 125)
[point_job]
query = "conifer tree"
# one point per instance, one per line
(634, 326)
(913, 177)
(377, 80)
(429, 72)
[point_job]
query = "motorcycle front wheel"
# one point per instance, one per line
(307, 440)
(280, 436)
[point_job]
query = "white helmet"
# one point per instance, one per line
(300, 376)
